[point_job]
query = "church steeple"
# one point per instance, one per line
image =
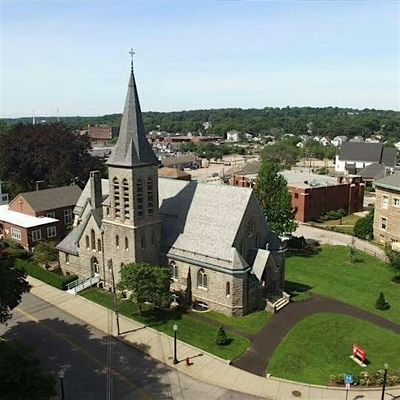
(132, 148)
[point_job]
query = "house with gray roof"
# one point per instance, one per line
(355, 156)
(214, 238)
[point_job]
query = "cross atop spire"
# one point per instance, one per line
(132, 53)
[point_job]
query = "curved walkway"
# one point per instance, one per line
(256, 358)
(336, 238)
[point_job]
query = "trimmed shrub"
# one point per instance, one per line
(364, 227)
(222, 339)
(51, 278)
(381, 303)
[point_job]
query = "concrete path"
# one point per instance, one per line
(257, 357)
(206, 368)
(335, 238)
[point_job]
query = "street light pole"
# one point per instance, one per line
(175, 328)
(386, 366)
(61, 376)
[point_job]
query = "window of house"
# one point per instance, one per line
(93, 239)
(396, 202)
(174, 269)
(383, 224)
(87, 242)
(99, 245)
(385, 201)
(16, 233)
(66, 258)
(202, 278)
(117, 242)
(117, 204)
(142, 241)
(51, 231)
(150, 203)
(139, 197)
(68, 216)
(36, 235)
(296, 195)
(126, 243)
(51, 215)
(107, 211)
(228, 289)
(125, 194)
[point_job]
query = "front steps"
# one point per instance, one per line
(278, 304)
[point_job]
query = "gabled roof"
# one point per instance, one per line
(50, 199)
(373, 171)
(390, 182)
(389, 155)
(23, 220)
(370, 152)
(132, 147)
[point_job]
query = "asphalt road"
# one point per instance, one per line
(62, 341)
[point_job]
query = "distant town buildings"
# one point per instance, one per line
(232, 136)
(387, 209)
(354, 156)
(39, 215)
(100, 135)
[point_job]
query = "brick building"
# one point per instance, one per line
(39, 215)
(387, 209)
(100, 135)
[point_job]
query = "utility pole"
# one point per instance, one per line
(115, 299)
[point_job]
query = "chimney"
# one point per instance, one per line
(95, 189)
(40, 185)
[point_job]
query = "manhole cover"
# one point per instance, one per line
(296, 393)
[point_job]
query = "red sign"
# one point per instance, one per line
(359, 352)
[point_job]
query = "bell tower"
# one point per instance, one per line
(131, 221)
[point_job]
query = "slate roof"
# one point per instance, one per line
(373, 171)
(132, 147)
(390, 182)
(50, 199)
(369, 152)
(85, 195)
(250, 168)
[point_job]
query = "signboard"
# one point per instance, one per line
(359, 352)
(348, 379)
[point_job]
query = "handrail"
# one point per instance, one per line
(77, 282)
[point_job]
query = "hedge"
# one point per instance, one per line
(51, 278)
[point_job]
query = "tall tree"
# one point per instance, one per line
(13, 285)
(147, 283)
(51, 152)
(271, 189)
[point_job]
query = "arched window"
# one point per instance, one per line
(95, 266)
(125, 194)
(117, 202)
(126, 244)
(93, 239)
(228, 289)
(139, 197)
(174, 269)
(150, 197)
(99, 245)
(87, 242)
(202, 278)
(117, 241)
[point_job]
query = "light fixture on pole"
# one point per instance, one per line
(61, 376)
(386, 367)
(175, 328)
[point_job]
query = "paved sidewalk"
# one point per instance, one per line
(335, 238)
(206, 368)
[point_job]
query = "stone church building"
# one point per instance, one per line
(213, 237)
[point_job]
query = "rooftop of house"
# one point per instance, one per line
(23, 220)
(167, 172)
(306, 180)
(389, 182)
(369, 152)
(51, 199)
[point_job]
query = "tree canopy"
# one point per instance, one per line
(272, 192)
(52, 153)
(147, 283)
(13, 285)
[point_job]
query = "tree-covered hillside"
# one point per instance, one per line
(328, 121)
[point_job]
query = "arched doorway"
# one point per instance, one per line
(95, 267)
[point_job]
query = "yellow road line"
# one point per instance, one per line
(144, 394)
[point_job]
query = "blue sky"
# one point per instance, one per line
(198, 54)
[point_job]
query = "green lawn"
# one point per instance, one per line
(329, 273)
(250, 323)
(347, 220)
(197, 333)
(320, 345)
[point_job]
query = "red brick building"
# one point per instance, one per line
(39, 215)
(100, 135)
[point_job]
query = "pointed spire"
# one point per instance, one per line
(132, 147)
